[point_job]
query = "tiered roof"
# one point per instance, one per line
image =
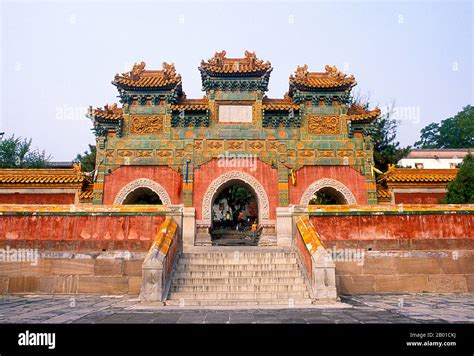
(383, 194)
(108, 112)
(413, 177)
(279, 104)
(220, 65)
(44, 178)
(139, 78)
(191, 104)
(357, 113)
(331, 79)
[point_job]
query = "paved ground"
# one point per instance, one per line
(408, 308)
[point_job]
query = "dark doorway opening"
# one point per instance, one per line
(142, 196)
(234, 215)
(327, 196)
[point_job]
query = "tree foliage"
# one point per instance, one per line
(323, 198)
(454, 132)
(387, 149)
(236, 195)
(16, 152)
(87, 160)
(461, 189)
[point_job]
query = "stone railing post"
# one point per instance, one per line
(324, 275)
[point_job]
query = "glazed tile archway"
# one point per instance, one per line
(143, 183)
(256, 186)
(327, 183)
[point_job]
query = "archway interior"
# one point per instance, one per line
(328, 196)
(142, 195)
(234, 210)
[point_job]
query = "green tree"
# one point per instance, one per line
(236, 195)
(323, 198)
(16, 152)
(87, 160)
(461, 189)
(454, 132)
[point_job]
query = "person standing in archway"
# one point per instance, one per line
(227, 219)
(240, 224)
(254, 230)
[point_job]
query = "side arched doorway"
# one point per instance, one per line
(327, 191)
(143, 191)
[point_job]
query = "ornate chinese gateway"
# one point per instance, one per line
(158, 140)
(234, 168)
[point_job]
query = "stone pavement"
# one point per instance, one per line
(386, 308)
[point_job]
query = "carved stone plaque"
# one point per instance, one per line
(323, 125)
(147, 124)
(235, 113)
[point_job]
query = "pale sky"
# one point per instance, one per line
(57, 58)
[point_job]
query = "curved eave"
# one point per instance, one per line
(302, 87)
(105, 120)
(230, 74)
(167, 87)
(175, 108)
(281, 109)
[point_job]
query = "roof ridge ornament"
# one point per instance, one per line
(137, 69)
(218, 58)
(333, 71)
(301, 72)
(169, 71)
(110, 108)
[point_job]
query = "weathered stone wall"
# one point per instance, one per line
(408, 271)
(37, 198)
(418, 198)
(405, 224)
(405, 248)
(72, 273)
(73, 228)
(75, 249)
(101, 249)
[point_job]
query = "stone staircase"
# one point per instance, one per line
(225, 276)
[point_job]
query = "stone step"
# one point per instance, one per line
(236, 261)
(236, 267)
(293, 273)
(240, 288)
(238, 295)
(240, 254)
(193, 281)
(228, 302)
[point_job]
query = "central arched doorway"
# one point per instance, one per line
(252, 184)
(234, 210)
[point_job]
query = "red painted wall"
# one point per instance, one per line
(418, 198)
(264, 173)
(346, 175)
(165, 176)
(395, 227)
(31, 198)
(75, 233)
